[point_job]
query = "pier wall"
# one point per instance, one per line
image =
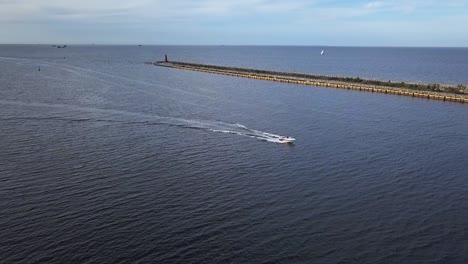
(313, 80)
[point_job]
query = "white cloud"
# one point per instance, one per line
(218, 21)
(30, 9)
(376, 4)
(33, 11)
(393, 6)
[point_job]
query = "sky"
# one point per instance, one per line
(433, 23)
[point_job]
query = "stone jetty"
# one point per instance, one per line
(450, 93)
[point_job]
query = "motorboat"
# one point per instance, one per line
(288, 140)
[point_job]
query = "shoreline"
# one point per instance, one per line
(451, 93)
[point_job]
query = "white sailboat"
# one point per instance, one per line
(323, 51)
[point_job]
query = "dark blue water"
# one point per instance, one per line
(106, 160)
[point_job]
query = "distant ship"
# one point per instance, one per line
(61, 47)
(321, 53)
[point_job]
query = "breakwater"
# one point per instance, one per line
(449, 93)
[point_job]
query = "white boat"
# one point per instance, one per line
(323, 51)
(288, 140)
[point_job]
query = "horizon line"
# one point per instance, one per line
(229, 45)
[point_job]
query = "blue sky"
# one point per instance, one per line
(241, 22)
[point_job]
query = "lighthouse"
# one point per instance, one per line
(165, 58)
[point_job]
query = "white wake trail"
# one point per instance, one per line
(89, 114)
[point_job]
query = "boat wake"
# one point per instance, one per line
(71, 113)
(238, 129)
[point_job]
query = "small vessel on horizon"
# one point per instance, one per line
(321, 53)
